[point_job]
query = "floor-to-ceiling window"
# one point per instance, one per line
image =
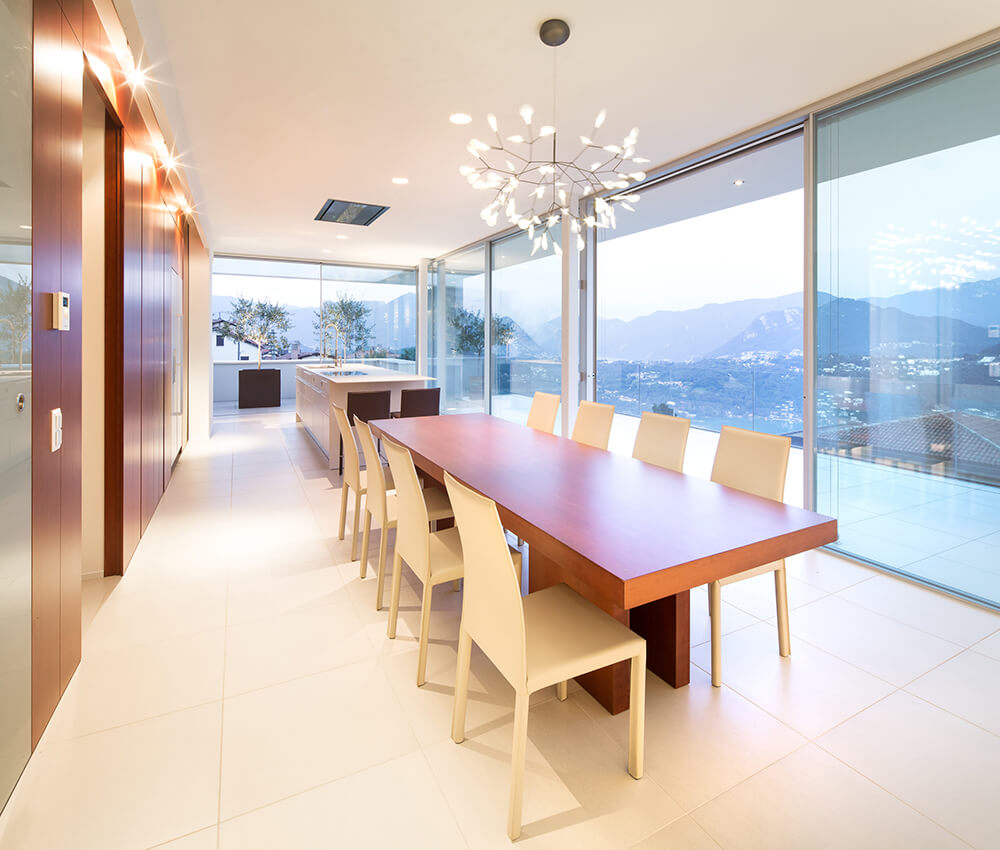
(456, 329)
(526, 330)
(908, 327)
(700, 295)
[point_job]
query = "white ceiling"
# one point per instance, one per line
(278, 106)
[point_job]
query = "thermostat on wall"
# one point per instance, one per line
(60, 311)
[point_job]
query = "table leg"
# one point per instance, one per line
(666, 625)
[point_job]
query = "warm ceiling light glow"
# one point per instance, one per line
(400, 181)
(25, 227)
(460, 118)
(327, 251)
(136, 78)
(738, 181)
(341, 236)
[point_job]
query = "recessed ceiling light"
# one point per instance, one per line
(738, 181)
(400, 181)
(341, 236)
(327, 251)
(25, 227)
(460, 118)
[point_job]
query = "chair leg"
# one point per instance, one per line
(562, 690)
(781, 601)
(343, 510)
(715, 607)
(397, 570)
(461, 686)
(518, 750)
(637, 715)
(383, 545)
(425, 628)
(365, 537)
(354, 530)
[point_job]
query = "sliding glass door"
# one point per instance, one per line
(907, 399)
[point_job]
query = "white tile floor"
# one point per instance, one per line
(237, 691)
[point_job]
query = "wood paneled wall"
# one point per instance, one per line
(146, 240)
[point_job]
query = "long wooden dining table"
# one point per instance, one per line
(631, 537)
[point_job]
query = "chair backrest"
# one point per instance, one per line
(412, 534)
(593, 424)
(368, 404)
(661, 440)
(492, 611)
(352, 464)
(420, 402)
(375, 497)
(751, 461)
(542, 415)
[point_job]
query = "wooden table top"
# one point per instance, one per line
(639, 532)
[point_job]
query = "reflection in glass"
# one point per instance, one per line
(527, 325)
(15, 391)
(908, 328)
(456, 330)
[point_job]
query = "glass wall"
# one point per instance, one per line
(15, 392)
(907, 395)
(526, 302)
(355, 313)
(456, 305)
(700, 295)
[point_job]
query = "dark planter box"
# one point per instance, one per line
(260, 388)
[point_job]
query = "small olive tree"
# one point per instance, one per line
(15, 314)
(349, 317)
(260, 322)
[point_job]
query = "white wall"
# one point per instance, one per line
(200, 352)
(92, 406)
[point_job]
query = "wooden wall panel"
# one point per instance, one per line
(71, 348)
(46, 502)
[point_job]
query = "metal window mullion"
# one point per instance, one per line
(488, 329)
(809, 315)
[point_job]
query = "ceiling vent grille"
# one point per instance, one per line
(350, 212)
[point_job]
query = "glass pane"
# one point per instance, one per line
(15, 392)
(699, 299)
(369, 315)
(456, 330)
(527, 325)
(908, 329)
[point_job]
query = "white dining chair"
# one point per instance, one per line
(435, 557)
(593, 424)
(537, 641)
(661, 440)
(542, 416)
(755, 463)
(381, 507)
(354, 478)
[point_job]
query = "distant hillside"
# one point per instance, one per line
(977, 303)
(779, 331)
(685, 334)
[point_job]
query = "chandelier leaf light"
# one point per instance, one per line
(535, 190)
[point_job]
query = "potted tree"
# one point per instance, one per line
(348, 317)
(264, 325)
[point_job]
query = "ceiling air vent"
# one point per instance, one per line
(350, 212)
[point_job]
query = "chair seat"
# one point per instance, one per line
(363, 479)
(438, 506)
(448, 563)
(753, 571)
(567, 636)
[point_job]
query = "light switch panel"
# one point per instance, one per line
(55, 421)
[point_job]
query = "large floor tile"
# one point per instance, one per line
(700, 740)
(819, 803)
(683, 834)
(289, 738)
(937, 763)
(925, 609)
(577, 791)
(395, 804)
(989, 646)
(203, 839)
(885, 648)
(733, 618)
(914, 536)
(756, 595)
(286, 590)
(135, 786)
(827, 570)
(967, 685)
(941, 569)
(811, 691)
(264, 652)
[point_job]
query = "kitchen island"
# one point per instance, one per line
(317, 388)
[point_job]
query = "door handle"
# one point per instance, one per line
(19, 401)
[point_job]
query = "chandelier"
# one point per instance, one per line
(535, 190)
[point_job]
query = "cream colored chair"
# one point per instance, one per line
(381, 506)
(542, 415)
(355, 478)
(661, 440)
(544, 639)
(593, 424)
(435, 557)
(755, 463)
